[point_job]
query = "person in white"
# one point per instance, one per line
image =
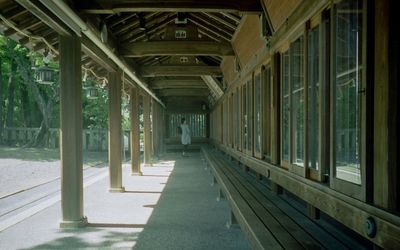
(185, 137)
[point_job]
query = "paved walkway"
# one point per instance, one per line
(173, 206)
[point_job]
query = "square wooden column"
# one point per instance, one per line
(147, 127)
(115, 132)
(135, 143)
(156, 129)
(71, 133)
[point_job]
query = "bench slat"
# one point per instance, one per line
(260, 237)
(264, 211)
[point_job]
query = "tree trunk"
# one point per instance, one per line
(27, 111)
(1, 103)
(45, 108)
(10, 99)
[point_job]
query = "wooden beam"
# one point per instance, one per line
(232, 17)
(178, 81)
(154, 48)
(213, 85)
(180, 70)
(112, 7)
(183, 92)
(175, 83)
(97, 55)
(171, 86)
(204, 20)
(221, 20)
(29, 23)
(49, 18)
(209, 29)
(134, 36)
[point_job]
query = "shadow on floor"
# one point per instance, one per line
(81, 239)
(187, 215)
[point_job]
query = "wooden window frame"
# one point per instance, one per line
(243, 104)
(268, 118)
(300, 33)
(283, 162)
(323, 25)
(354, 190)
(250, 115)
(258, 154)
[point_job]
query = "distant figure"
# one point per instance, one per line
(185, 136)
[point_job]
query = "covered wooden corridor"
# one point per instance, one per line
(302, 94)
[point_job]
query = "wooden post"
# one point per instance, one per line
(147, 134)
(313, 212)
(135, 143)
(277, 189)
(115, 132)
(71, 133)
(155, 129)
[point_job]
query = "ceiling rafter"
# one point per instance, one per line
(156, 27)
(135, 24)
(220, 20)
(211, 30)
(231, 16)
(119, 20)
(155, 48)
(206, 21)
(26, 25)
(134, 30)
(113, 7)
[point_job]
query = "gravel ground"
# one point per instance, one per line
(22, 169)
(17, 175)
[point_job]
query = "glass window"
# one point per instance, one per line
(249, 116)
(348, 84)
(285, 106)
(313, 98)
(244, 110)
(266, 74)
(257, 113)
(297, 87)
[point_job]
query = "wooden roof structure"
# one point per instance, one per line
(172, 46)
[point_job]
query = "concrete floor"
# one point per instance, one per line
(173, 206)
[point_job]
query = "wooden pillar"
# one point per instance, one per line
(115, 132)
(155, 129)
(71, 133)
(135, 144)
(147, 128)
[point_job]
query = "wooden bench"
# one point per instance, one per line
(267, 220)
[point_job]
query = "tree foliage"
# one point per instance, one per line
(26, 103)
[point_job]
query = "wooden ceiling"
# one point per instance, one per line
(146, 34)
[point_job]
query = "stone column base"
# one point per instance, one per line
(74, 224)
(117, 190)
(136, 173)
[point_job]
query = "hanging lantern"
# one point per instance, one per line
(92, 92)
(45, 75)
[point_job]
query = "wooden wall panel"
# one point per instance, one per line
(228, 69)
(248, 41)
(279, 10)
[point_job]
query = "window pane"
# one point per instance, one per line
(257, 112)
(297, 83)
(244, 124)
(348, 62)
(267, 116)
(313, 99)
(249, 116)
(285, 106)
